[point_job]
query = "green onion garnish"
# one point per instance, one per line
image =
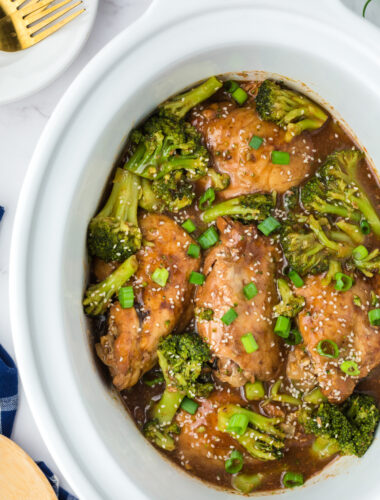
(282, 327)
(328, 348)
(229, 316)
(250, 291)
(294, 337)
(295, 278)
(365, 228)
(189, 405)
(269, 225)
(231, 86)
(193, 251)
(189, 226)
(374, 317)
(365, 7)
(249, 343)
(126, 297)
(238, 424)
(280, 158)
(196, 278)
(208, 238)
(343, 282)
(207, 199)
(235, 463)
(292, 479)
(350, 368)
(256, 142)
(160, 276)
(239, 95)
(360, 252)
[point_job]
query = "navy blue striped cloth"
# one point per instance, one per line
(8, 408)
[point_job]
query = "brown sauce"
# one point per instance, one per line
(204, 463)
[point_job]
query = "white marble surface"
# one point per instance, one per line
(20, 127)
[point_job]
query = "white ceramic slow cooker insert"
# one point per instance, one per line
(176, 43)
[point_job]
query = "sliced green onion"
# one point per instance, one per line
(292, 479)
(193, 251)
(160, 276)
(282, 327)
(189, 405)
(269, 225)
(280, 158)
(235, 463)
(239, 95)
(231, 86)
(196, 278)
(126, 297)
(238, 424)
(229, 316)
(207, 199)
(249, 343)
(295, 278)
(246, 483)
(256, 142)
(250, 291)
(350, 368)
(208, 238)
(294, 337)
(365, 228)
(189, 226)
(343, 282)
(374, 317)
(254, 391)
(327, 348)
(360, 252)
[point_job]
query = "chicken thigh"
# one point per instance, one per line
(130, 347)
(227, 131)
(334, 316)
(241, 258)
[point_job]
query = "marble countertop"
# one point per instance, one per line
(21, 124)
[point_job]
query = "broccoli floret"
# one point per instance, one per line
(181, 104)
(182, 359)
(98, 297)
(148, 199)
(219, 181)
(347, 429)
(114, 235)
(161, 436)
(307, 246)
(173, 191)
(336, 190)
(263, 439)
(290, 200)
(246, 208)
(288, 109)
(290, 304)
(165, 144)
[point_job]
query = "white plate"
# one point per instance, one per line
(25, 72)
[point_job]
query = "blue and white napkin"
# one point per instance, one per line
(8, 408)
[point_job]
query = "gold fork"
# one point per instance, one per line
(25, 25)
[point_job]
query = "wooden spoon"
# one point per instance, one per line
(20, 477)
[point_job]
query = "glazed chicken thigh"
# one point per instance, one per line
(227, 131)
(333, 316)
(130, 346)
(241, 258)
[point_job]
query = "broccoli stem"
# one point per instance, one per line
(99, 296)
(324, 448)
(260, 445)
(314, 397)
(181, 104)
(219, 181)
(123, 200)
(364, 205)
(166, 408)
(352, 231)
(148, 200)
(229, 207)
(246, 483)
(282, 398)
(340, 249)
(254, 391)
(334, 267)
